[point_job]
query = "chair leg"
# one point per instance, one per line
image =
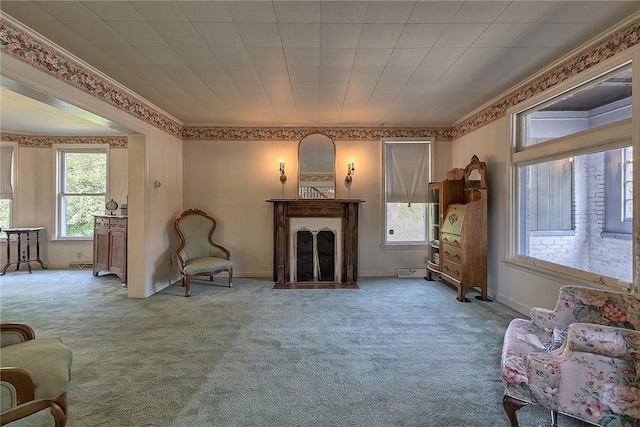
(59, 410)
(230, 277)
(187, 285)
(511, 405)
(554, 418)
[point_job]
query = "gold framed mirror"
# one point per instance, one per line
(316, 167)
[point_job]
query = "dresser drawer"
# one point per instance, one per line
(451, 253)
(117, 223)
(452, 270)
(451, 239)
(101, 222)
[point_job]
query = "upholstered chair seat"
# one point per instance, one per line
(581, 359)
(34, 374)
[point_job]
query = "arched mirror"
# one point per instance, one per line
(316, 167)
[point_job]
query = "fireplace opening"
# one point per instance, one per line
(315, 257)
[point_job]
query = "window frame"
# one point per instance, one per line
(60, 150)
(605, 137)
(385, 244)
(13, 214)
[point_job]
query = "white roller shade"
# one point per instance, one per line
(6, 172)
(407, 166)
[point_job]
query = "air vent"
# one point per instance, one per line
(80, 265)
(412, 272)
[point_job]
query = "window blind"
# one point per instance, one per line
(6, 172)
(407, 166)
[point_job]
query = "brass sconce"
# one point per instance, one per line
(283, 177)
(351, 169)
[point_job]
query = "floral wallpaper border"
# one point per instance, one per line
(297, 133)
(35, 52)
(42, 141)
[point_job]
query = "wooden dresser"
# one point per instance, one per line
(110, 245)
(458, 239)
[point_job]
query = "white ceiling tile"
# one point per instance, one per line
(304, 74)
(356, 98)
(178, 33)
(366, 73)
(232, 56)
(388, 87)
(273, 74)
(91, 55)
(302, 57)
(259, 35)
(525, 11)
(251, 11)
(478, 56)
(281, 97)
(297, 11)
(26, 11)
(205, 11)
(124, 54)
(68, 10)
(179, 72)
(345, 12)
(56, 30)
(420, 35)
(372, 57)
(566, 12)
(137, 33)
(339, 35)
(149, 71)
(160, 55)
(551, 35)
(267, 56)
(361, 87)
(196, 55)
(337, 57)
(460, 35)
(406, 57)
(479, 11)
(442, 56)
(427, 75)
(434, 12)
(211, 74)
(333, 74)
(274, 87)
(501, 34)
(160, 10)
(334, 88)
(380, 35)
(221, 34)
(384, 98)
(96, 32)
(396, 74)
(110, 11)
(305, 92)
(241, 72)
(300, 35)
(388, 11)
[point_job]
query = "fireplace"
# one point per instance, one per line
(315, 241)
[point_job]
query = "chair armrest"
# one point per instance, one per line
(606, 341)
(21, 382)
(12, 333)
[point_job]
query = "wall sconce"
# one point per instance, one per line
(283, 177)
(351, 169)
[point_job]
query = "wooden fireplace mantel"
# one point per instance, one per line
(284, 209)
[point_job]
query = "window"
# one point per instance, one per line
(6, 187)
(406, 175)
(82, 190)
(573, 167)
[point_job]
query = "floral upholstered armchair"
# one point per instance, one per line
(581, 359)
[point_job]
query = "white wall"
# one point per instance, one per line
(231, 180)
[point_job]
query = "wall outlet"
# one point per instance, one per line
(78, 255)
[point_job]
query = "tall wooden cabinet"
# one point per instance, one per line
(110, 245)
(458, 229)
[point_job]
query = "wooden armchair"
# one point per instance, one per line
(197, 254)
(581, 359)
(34, 374)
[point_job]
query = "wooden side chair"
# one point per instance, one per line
(197, 254)
(34, 374)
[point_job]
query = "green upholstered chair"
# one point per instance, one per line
(197, 254)
(34, 374)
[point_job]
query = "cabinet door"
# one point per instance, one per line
(118, 253)
(100, 250)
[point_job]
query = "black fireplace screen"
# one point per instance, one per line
(315, 256)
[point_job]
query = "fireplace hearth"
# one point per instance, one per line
(315, 241)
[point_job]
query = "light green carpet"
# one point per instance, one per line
(396, 352)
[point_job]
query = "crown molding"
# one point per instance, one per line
(46, 141)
